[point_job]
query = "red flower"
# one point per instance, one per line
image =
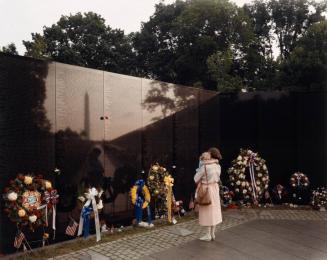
(21, 177)
(232, 206)
(5, 190)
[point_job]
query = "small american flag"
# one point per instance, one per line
(71, 228)
(19, 238)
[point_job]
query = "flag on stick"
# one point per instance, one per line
(19, 238)
(71, 228)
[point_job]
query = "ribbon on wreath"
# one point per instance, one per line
(84, 221)
(142, 201)
(169, 182)
(51, 197)
(45, 206)
(251, 164)
(298, 178)
(139, 201)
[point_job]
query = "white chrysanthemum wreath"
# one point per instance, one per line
(248, 176)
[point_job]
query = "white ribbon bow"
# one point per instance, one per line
(90, 196)
(251, 164)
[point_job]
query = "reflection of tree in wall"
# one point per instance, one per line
(26, 134)
(126, 172)
(26, 141)
(168, 98)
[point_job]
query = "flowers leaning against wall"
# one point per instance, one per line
(157, 186)
(299, 180)
(248, 176)
(28, 201)
(319, 199)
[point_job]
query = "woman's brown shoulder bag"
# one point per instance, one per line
(203, 196)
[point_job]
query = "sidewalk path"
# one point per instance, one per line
(244, 234)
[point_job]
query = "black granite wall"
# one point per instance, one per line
(58, 115)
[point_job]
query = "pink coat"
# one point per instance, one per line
(210, 215)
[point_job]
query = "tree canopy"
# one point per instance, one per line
(307, 65)
(85, 40)
(211, 44)
(10, 49)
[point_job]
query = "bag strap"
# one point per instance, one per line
(205, 171)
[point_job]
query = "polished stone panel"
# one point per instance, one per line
(104, 129)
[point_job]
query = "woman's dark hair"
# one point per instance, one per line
(215, 153)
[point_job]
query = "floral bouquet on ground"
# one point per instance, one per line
(299, 183)
(226, 196)
(248, 176)
(319, 199)
(279, 194)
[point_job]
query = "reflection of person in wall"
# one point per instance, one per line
(94, 169)
(94, 177)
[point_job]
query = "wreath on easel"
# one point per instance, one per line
(28, 201)
(249, 177)
(158, 189)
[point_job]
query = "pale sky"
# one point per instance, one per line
(19, 18)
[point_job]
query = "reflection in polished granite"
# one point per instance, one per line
(93, 123)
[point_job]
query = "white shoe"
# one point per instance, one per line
(213, 236)
(142, 224)
(206, 237)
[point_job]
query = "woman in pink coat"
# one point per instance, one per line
(210, 215)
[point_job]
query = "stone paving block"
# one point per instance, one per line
(142, 245)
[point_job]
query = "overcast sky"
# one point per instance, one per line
(19, 18)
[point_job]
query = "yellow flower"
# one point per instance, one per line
(146, 193)
(155, 168)
(147, 196)
(133, 194)
(48, 185)
(21, 213)
(28, 180)
(151, 177)
(169, 181)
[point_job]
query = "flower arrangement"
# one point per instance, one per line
(279, 192)
(248, 176)
(97, 196)
(299, 180)
(26, 197)
(178, 207)
(146, 194)
(226, 196)
(319, 198)
(157, 179)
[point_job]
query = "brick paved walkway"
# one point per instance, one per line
(159, 240)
